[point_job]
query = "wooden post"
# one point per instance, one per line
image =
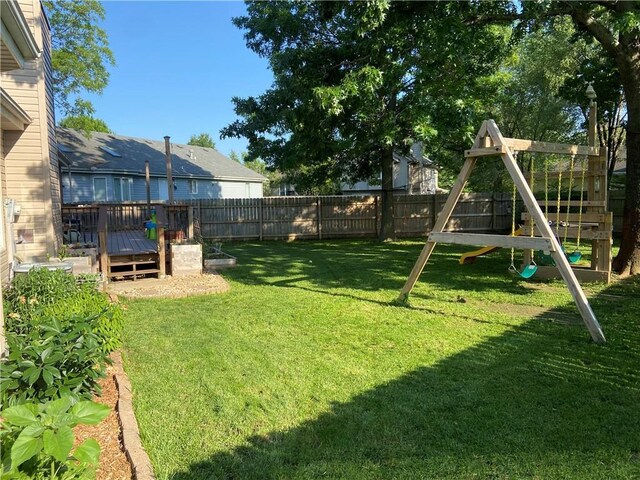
(261, 216)
(434, 210)
(190, 233)
(375, 207)
(102, 241)
(167, 148)
(319, 217)
(493, 212)
(148, 184)
(162, 220)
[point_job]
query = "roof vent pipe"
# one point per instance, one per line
(167, 148)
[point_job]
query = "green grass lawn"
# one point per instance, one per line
(305, 370)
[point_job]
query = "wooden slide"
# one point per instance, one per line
(471, 257)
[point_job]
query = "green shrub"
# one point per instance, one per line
(59, 333)
(29, 293)
(37, 440)
(53, 360)
(108, 318)
(42, 294)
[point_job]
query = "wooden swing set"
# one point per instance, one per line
(538, 235)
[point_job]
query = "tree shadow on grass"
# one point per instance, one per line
(539, 401)
(368, 266)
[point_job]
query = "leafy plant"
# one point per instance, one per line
(38, 440)
(59, 333)
(29, 293)
(53, 359)
(63, 252)
(107, 318)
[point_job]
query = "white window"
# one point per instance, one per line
(100, 189)
(193, 186)
(247, 190)
(122, 189)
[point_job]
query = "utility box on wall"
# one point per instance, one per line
(186, 259)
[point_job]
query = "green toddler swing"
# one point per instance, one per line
(527, 271)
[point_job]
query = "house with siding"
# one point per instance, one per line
(30, 219)
(102, 167)
(414, 174)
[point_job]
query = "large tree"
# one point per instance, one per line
(356, 81)
(615, 25)
(80, 53)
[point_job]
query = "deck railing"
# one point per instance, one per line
(80, 222)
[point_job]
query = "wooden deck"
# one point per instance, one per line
(127, 252)
(130, 242)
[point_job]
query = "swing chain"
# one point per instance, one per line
(581, 200)
(558, 203)
(513, 218)
(566, 222)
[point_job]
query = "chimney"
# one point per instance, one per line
(167, 148)
(416, 151)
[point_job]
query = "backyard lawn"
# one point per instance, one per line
(306, 370)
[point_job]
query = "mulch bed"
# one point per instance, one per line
(113, 461)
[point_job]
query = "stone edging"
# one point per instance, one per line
(140, 463)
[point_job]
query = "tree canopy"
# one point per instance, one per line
(84, 119)
(202, 140)
(80, 50)
(85, 123)
(356, 81)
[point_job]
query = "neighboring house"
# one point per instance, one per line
(103, 167)
(30, 221)
(412, 175)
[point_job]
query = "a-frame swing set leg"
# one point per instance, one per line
(490, 128)
(443, 218)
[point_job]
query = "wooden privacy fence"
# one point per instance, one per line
(342, 216)
(309, 217)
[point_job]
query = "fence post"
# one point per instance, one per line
(375, 204)
(261, 216)
(434, 211)
(319, 217)
(493, 211)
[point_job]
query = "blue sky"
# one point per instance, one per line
(178, 64)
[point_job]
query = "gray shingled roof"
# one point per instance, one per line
(85, 155)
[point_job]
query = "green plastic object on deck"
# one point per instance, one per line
(152, 231)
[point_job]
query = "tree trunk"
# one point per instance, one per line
(627, 262)
(387, 229)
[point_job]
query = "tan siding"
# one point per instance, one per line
(54, 167)
(31, 164)
(4, 252)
